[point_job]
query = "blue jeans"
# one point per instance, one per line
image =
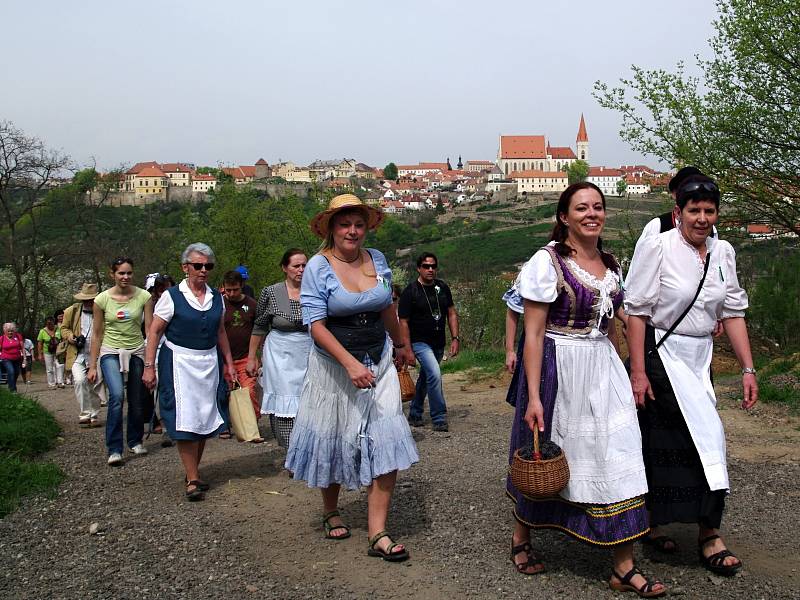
(109, 364)
(11, 368)
(429, 383)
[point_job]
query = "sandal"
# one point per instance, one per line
(201, 485)
(623, 584)
(716, 562)
(225, 435)
(387, 554)
(196, 494)
(329, 527)
(661, 543)
(532, 560)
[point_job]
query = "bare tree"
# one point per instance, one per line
(27, 169)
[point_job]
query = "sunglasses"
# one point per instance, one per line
(121, 261)
(698, 189)
(201, 266)
(428, 266)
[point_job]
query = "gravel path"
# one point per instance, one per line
(258, 534)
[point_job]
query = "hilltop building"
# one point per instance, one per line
(534, 153)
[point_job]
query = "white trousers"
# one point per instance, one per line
(89, 395)
(55, 370)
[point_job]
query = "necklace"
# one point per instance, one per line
(438, 314)
(344, 260)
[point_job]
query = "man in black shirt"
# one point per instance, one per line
(425, 305)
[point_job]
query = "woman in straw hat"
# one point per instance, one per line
(350, 429)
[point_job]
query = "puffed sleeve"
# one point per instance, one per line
(736, 301)
(644, 277)
(538, 280)
(314, 290)
(165, 307)
(512, 298)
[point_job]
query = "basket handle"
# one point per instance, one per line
(536, 454)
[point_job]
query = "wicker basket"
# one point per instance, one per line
(539, 478)
(407, 387)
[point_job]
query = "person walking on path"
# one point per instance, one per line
(12, 354)
(574, 389)
(76, 330)
(47, 341)
(193, 364)
(61, 351)
(240, 316)
(425, 306)
(27, 362)
(156, 284)
(285, 351)
(118, 344)
(350, 429)
(680, 284)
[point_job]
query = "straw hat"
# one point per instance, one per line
(88, 292)
(321, 222)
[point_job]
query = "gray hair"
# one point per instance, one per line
(199, 248)
(10, 326)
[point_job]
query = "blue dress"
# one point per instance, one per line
(192, 393)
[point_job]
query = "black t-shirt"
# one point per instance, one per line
(421, 305)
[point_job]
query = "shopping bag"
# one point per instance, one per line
(407, 386)
(243, 418)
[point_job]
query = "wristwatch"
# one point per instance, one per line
(455, 337)
(747, 370)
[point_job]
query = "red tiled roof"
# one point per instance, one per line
(539, 174)
(175, 168)
(139, 166)
(604, 172)
(261, 161)
(561, 152)
(203, 177)
(582, 136)
(522, 146)
(758, 228)
(151, 171)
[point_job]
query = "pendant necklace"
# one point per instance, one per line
(438, 314)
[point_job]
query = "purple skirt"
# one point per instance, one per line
(597, 524)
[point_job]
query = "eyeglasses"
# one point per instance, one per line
(428, 266)
(201, 266)
(698, 189)
(121, 260)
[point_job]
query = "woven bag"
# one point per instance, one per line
(407, 387)
(539, 478)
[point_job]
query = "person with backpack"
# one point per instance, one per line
(47, 341)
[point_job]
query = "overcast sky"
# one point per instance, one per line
(404, 81)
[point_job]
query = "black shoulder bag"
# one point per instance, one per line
(688, 308)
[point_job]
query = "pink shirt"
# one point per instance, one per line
(11, 348)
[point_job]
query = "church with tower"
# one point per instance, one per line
(533, 153)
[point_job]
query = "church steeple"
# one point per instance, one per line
(460, 165)
(582, 141)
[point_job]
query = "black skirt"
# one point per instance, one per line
(678, 488)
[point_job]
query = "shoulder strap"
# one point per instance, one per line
(666, 222)
(688, 308)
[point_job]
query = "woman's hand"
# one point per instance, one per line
(750, 387)
(641, 388)
(91, 376)
(361, 376)
(534, 415)
(511, 360)
(149, 378)
(252, 366)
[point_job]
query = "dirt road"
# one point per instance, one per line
(258, 534)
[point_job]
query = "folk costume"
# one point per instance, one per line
(683, 437)
(192, 391)
(589, 409)
(343, 434)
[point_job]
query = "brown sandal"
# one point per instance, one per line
(623, 584)
(532, 559)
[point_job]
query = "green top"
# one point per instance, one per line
(44, 337)
(123, 320)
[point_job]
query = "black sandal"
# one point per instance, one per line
(196, 494)
(532, 560)
(716, 562)
(387, 554)
(329, 527)
(625, 585)
(660, 543)
(201, 485)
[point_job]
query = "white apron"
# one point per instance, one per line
(687, 361)
(195, 375)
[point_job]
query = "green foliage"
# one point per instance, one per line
(440, 207)
(390, 171)
(26, 430)
(490, 206)
(577, 171)
(622, 185)
(775, 299)
(739, 121)
(393, 234)
(481, 311)
(487, 361)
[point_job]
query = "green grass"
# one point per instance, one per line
(485, 362)
(779, 382)
(26, 430)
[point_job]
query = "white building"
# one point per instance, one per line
(539, 182)
(534, 152)
(606, 179)
(202, 182)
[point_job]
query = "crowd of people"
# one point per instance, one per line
(320, 353)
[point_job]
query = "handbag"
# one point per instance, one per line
(243, 417)
(61, 350)
(407, 387)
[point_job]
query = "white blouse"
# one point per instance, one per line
(663, 278)
(165, 308)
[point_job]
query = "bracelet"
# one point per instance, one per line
(455, 338)
(147, 365)
(749, 370)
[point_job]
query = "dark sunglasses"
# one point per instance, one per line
(698, 190)
(428, 266)
(121, 261)
(201, 266)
